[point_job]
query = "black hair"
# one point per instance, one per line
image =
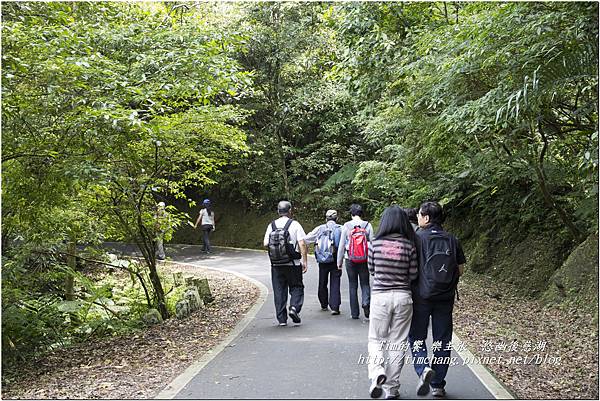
(395, 221)
(356, 210)
(208, 209)
(434, 210)
(411, 212)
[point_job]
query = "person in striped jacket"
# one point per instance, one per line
(393, 261)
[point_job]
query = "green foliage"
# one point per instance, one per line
(484, 117)
(302, 128)
(107, 109)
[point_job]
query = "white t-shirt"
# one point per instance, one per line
(296, 232)
(206, 218)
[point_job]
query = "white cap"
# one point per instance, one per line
(331, 214)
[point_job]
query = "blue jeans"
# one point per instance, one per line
(441, 330)
(355, 272)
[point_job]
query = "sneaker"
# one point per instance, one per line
(424, 380)
(375, 391)
(283, 324)
(335, 312)
(366, 309)
(438, 392)
(294, 315)
(395, 396)
(324, 308)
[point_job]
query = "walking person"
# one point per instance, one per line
(326, 238)
(393, 261)
(161, 218)
(288, 263)
(356, 234)
(442, 260)
(206, 219)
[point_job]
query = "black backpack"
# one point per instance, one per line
(438, 278)
(281, 252)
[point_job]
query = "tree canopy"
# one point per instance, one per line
(109, 108)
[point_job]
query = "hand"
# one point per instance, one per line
(214, 228)
(339, 267)
(304, 267)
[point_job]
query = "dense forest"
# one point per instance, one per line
(109, 108)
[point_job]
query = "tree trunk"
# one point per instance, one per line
(161, 303)
(286, 185)
(72, 263)
(551, 204)
(542, 182)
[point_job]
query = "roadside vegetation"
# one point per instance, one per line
(109, 108)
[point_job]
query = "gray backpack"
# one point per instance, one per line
(281, 252)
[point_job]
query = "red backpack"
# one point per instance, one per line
(358, 247)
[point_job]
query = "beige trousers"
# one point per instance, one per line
(389, 324)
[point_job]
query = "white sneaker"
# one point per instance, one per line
(294, 315)
(438, 392)
(424, 380)
(375, 391)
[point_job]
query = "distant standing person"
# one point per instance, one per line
(161, 218)
(206, 219)
(356, 234)
(442, 260)
(288, 263)
(326, 238)
(393, 260)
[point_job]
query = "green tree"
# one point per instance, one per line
(107, 109)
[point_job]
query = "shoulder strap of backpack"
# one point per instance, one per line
(273, 226)
(288, 224)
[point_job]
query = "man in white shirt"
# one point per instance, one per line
(288, 263)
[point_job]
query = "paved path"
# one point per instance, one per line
(317, 359)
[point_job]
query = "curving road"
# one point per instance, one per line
(317, 359)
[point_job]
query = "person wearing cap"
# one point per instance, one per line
(206, 219)
(161, 219)
(327, 271)
(288, 276)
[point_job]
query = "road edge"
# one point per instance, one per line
(486, 377)
(175, 386)
(489, 381)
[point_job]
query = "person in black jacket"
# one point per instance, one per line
(441, 264)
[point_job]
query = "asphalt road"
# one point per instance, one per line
(317, 359)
